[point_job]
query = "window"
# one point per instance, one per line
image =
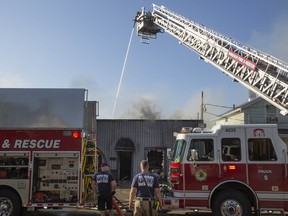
(204, 149)
(231, 149)
(178, 151)
(271, 114)
(261, 150)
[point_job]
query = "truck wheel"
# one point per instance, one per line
(10, 204)
(231, 203)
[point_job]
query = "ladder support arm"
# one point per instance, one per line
(261, 73)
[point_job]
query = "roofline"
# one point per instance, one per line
(240, 108)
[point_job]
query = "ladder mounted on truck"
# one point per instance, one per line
(261, 73)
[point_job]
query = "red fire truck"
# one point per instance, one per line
(46, 164)
(231, 169)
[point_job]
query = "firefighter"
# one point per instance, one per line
(105, 185)
(145, 185)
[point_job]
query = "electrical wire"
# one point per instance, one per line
(221, 106)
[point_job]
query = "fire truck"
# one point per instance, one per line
(48, 151)
(230, 169)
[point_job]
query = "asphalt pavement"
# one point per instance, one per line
(122, 194)
(94, 212)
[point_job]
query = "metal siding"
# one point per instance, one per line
(143, 133)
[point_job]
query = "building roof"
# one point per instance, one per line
(240, 107)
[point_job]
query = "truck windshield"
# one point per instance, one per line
(178, 151)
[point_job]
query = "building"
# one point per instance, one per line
(124, 143)
(256, 111)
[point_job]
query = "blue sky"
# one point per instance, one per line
(83, 43)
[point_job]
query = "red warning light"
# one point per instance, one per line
(76, 134)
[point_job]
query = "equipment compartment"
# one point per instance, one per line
(14, 165)
(56, 177)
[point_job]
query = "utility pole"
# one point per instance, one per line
(202, 106)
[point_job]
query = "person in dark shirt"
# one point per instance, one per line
(145, 185)
(105, 185)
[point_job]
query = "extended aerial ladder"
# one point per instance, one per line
(261, 73)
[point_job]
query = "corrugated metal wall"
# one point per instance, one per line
(143, 134)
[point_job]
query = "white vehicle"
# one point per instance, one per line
(231, 152)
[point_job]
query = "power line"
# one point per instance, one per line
(221, 106)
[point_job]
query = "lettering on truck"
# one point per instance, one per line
(31, 144)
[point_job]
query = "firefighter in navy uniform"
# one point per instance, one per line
(105, 185)
(145, 185)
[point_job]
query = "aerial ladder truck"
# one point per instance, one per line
(261, 73)
(201, 174)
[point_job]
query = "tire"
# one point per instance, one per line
(10, 204)
(231, 203)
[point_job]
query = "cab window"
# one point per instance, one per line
(178, 151)
(204, 149)
(231, 149)
(261, 149)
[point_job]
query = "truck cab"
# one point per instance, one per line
(231, 169)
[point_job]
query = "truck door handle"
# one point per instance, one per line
(219, 165)
(285, 164)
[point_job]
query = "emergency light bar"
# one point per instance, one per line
(185, 130)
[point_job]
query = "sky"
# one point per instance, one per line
(85, 44)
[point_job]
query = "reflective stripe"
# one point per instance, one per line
(191, 194)
(144, 199)
(198, 195)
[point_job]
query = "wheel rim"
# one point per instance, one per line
(6, 206)
(231, 208)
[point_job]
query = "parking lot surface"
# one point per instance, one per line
(91, 212)
(122, 195)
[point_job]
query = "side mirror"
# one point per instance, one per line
(169, 154)
(194, 155)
